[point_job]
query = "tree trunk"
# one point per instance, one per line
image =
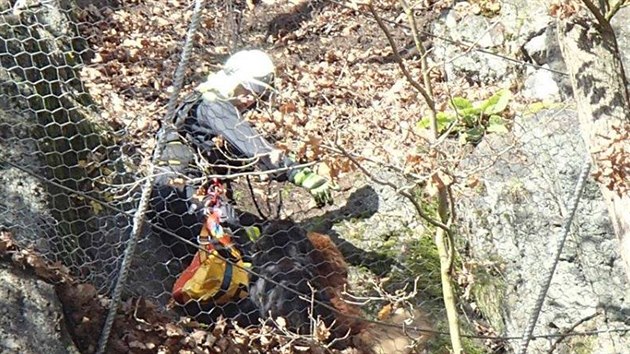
(600, 90)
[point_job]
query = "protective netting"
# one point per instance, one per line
(84, 87)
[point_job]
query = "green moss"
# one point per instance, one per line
(488, 291)
(67, 135)
(515, 192)
(581, 345)
(535, 107)
(415, 250)
(441, 344)
(320, 222)
(473, 346)
(424, 262)
(420, 258)
(238, 195)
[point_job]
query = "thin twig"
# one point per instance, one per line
(251, 191)
(615, 8)
(399, 61)
(569, 330)
(253, 173)
(405, 194)
(401, 170)
(597, 13)
(426, 80)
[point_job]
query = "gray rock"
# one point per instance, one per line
(495, 39)
(26, 210)
(391, 212)
(475, 66)
(549, 82)
(517, 218)
(541, 85)
(153, 269)
(543, 48)
(31, 318)
(23, 206)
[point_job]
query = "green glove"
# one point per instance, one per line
(319, 187)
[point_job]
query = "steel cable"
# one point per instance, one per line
(140, 214)
(579, 188)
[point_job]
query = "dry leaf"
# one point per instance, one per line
(385, 312)
(198, 336)
(281, 322)
(288, 107)
(322, 333)
(173, 330)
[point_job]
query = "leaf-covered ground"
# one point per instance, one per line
(337, 80)
(141, 327)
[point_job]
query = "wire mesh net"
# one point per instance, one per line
(84, 88)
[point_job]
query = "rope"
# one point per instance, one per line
(579, 188)
(139, 216)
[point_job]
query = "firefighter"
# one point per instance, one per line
(208, 126)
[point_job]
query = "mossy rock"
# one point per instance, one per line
(580, 345)
(44, 94)
(424, 262)
(488, 290)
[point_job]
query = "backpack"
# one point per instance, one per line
(218, 271)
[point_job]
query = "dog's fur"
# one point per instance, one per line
(283, 255)
(332, 277)
(287, 254)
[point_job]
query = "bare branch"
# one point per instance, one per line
(404, 193)
(569, 330)
(603, 21)
(425, 94)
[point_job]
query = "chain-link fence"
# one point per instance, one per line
(86, 87)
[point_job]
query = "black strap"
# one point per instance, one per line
(242, 291)
(227, 280)
(226, 251)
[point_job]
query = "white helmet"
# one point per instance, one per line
(251, 69)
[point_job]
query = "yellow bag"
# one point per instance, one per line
(210, 276)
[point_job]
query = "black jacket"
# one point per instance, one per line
(201, 122)
(198, 124)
